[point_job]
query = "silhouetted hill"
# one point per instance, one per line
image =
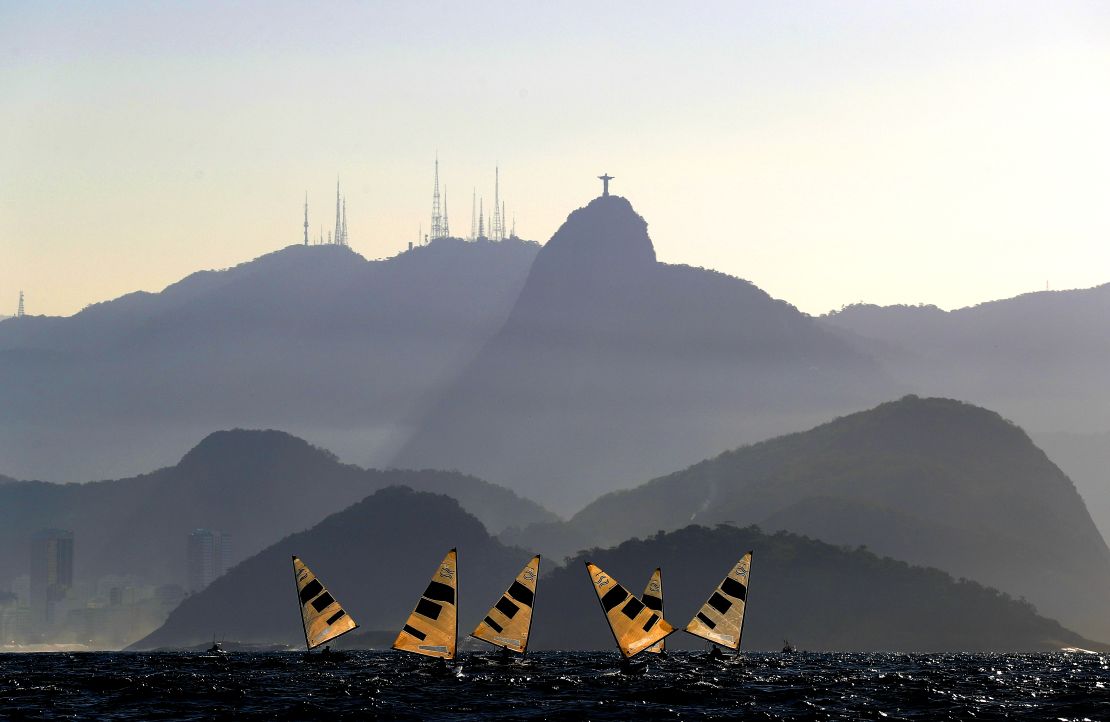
(1042, 359)
(312, 339)
(819, 596)
(375, 557)
(613, 367)
(255, 485)
(928, 481)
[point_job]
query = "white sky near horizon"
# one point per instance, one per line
(830, 152)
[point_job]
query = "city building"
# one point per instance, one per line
(208, 554)
(51, 573)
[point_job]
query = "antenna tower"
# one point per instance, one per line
(306, 218)
(497, 225)
(19, 310)
(338, 218)
(481, 221)
(343, 240)
(437, 217)
(446, 224)
(474, 214)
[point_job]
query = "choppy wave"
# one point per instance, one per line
(558, 686)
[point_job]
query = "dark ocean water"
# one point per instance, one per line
(564, 686)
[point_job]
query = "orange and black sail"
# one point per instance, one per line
(634, 626)
(653, 600)
(510, 620)
(721, 619)
(323, 617)
(433, 627)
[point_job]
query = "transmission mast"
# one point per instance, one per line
(306, 218)
(437, 216)
(497, 225)
(343, 239)
(474, 214)
(338, 216)
(19, 310)
(446, 223)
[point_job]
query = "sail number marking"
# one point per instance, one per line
(601, 580)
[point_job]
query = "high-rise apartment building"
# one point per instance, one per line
(208, 554)
(51, 572)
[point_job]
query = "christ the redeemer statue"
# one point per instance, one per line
(605, 183)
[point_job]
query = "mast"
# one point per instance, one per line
(306, 218)
(747, 596)
(474, 214)
(344, 241)
(297, 589)
(535, 592)
(338, 219)
(437, 217)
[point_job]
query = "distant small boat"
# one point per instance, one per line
(721, 618)
(635, 627)
(787, 647)
(432, 630)
(653, 600)
(322, 616)
(214, 652)
(510, 620)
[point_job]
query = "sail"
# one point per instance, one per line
(432, 628)
(323, 618)
(721, 619)
(653, 600)
(509, 621)
(634, 626)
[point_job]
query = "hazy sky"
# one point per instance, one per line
(944, 152)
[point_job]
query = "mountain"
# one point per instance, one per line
(312, 339)
(1042, 359)
(375, 557)
(256, 485)
(928, 481)
(613, 366)
(819, 596)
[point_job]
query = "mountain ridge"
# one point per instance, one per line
(255, 485)
(312, 339)
(376, 555)
(346, 550)
(611, 366)
(927, 481)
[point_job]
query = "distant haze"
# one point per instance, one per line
(891, 152)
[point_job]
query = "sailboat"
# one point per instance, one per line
(721, 619)
(433, 627)
(323, 617)
(653, 600)
(635, 627)
(510, 620)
